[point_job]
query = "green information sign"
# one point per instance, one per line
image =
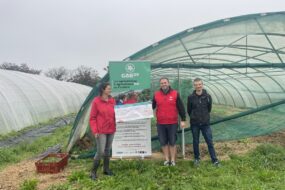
(129, 75)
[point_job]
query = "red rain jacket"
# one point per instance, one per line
(102, 116)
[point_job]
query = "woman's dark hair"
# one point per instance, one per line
(102, 87)
(122, 96)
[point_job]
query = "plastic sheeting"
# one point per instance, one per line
(28, 99)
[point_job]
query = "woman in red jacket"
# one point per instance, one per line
(103, 126)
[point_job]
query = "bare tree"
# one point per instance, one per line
(22, 68)
(82, 75)
(59, 73)
(85, 75)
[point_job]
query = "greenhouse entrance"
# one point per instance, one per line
(240, 60)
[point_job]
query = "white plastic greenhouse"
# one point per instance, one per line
(28, 99)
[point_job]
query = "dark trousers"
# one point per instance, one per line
(207, 133)
(167, 134)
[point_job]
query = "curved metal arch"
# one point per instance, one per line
(233, 46)
(177, 61)
(241, 83)
(242, 47)
(171, 46)
(238, 46)
(275, 81)
(264, 33)
(230, 94)
(187, 51)
(193, 55)
(214, 93)
(256, 33)
(200, 28)
(264, 53)
(206, 55)
(211, 89)
(222, 79)
(225, 99)
(236, 71)
(221, 85)
(217, 65)
(223, 47)
(231, 54)
(256, 83)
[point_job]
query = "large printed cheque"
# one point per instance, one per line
(131, 112)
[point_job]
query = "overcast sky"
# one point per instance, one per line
(52, 33)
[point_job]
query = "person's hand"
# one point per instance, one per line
(96, 135)
(183, 124)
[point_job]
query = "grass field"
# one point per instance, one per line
(263, 168)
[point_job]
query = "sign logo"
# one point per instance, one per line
(130, 68)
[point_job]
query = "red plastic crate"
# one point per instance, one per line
(52, 167)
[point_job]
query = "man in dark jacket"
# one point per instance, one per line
(168, 104)
(199, 106)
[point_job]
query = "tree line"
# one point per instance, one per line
(82, 75)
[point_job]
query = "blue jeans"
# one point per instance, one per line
(207, 133)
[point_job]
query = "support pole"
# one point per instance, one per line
(182, 134)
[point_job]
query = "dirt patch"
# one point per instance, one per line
(223, 149)
(13, 176)
(237, 147)
(274, 138)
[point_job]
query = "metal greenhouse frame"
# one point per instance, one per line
(241, 61)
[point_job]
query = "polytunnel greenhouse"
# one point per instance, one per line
(241, 61)
(28, 99)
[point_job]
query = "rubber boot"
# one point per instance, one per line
(107, 170)
(96, 164)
